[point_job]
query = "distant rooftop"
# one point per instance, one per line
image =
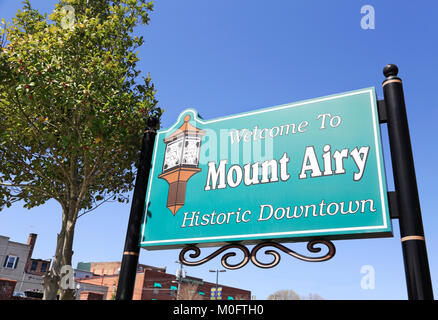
(90, 266)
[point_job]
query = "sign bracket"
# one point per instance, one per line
(393, 205)
(252, 255)
(381, 108)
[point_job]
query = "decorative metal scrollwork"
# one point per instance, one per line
(224, 259)
(247, 255)
(310, 246)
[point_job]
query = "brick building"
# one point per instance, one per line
(38, 267)
(17, 264)
(89, 295)
(109, 268)
(35, 266)
(164, 286)
(153, 283)
(7, 288)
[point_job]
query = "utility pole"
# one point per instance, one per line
(180, 275)
(22, 280)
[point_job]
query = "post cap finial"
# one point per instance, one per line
(390, 70)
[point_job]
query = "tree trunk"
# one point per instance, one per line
(54, 280)
(50, 283)
(63, 257)
(67, 253)
(51, 279)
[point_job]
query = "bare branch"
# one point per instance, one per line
(97, 206)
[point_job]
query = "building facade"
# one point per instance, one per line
(82, 287)
(13, 256)
(81, 274)
(110, 268)
(153, 283)
(17, 264)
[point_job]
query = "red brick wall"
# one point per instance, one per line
(87, 295)
(138, 287)
(144, 287)
(166, 280)
(108, 268)
(112, 281)
(111, 268)
(31, 243)
(108, 281)
(7, 289)
(235, 293)
(38, 271)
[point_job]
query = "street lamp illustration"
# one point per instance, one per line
(181, 162)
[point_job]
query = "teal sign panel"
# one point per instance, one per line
(293, 172)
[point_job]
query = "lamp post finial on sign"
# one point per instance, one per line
(390, 70)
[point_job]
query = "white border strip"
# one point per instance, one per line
(379, 169)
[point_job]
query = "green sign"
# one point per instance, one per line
(287, 173)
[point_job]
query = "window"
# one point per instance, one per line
(34, 265)
(44, 267)
(10, 262)
(156, 287)
(173, 290)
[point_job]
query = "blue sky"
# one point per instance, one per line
(225, 57)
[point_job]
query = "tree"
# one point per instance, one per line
(284, 295)
(71, 112)
(312, 296)
(292, 295)
(189, 291)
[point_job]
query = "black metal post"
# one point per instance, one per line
(128, 270)
(418, 279)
